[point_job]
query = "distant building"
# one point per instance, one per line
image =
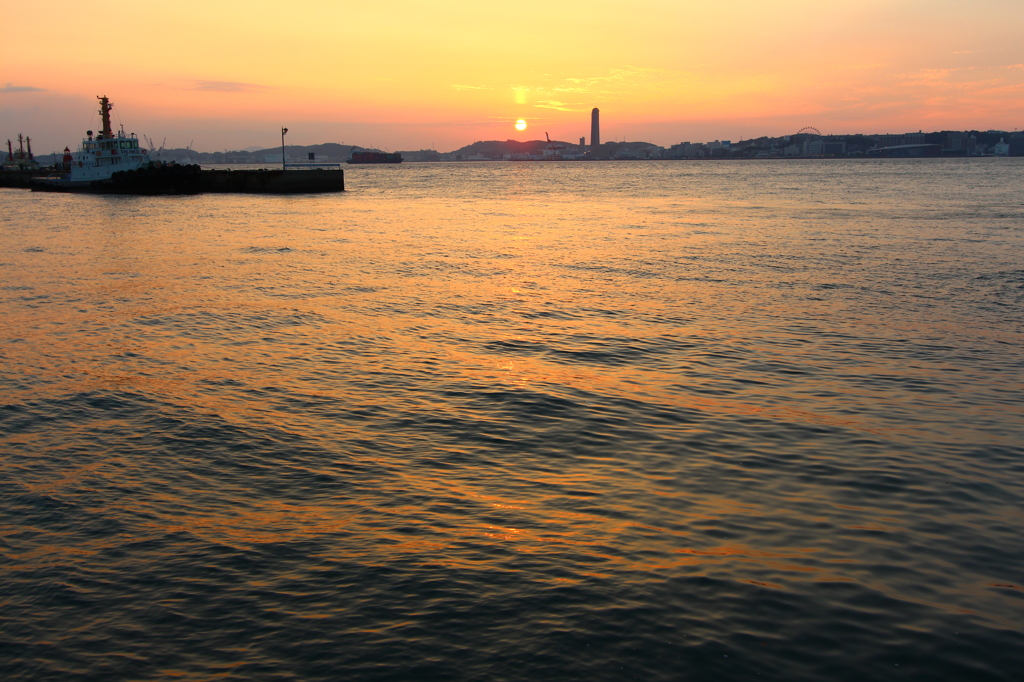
(595, 129)
(907, 151)
(956, 142)
(814, 147)
(420, 155)
(832, 148)
(635, 153)
(900, 140)
(685, 150)
(583, 142)
(1016, 145)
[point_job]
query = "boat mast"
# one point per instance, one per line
(105, 107)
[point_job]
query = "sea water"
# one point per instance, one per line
(519, 421)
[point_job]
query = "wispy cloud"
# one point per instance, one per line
(227, 86)
(459, 86)
(20, 88)
(616, 83)
(615, 78)
(559, 106)
(863, 67)
(577, 94)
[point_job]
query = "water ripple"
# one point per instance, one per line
(649, 421)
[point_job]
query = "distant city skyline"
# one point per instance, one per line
(412, 76)
(800, 145)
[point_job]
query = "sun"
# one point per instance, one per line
(520, 124)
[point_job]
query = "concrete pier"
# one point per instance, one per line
(17, 178)
(273, 181)
(190, 180)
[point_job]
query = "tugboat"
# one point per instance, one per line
(110, 163)
(115, 163)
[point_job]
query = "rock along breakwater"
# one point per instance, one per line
(190, 179)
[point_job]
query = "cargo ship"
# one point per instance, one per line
(374, 157)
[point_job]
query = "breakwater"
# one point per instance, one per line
(273, 181)
(186, 180)
(16, 178)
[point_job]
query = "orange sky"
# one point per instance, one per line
(411, 74)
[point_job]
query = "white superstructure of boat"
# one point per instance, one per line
(102, 155)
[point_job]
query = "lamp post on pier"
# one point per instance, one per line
(284, 131)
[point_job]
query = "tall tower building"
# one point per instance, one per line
(595, 129)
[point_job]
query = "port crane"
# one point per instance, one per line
(152, 146)
(553, 150)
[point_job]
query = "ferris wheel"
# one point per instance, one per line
(809, 129)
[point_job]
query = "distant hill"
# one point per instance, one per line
(328, 152)
(496, 149)
(325, 150)
(954, 143)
